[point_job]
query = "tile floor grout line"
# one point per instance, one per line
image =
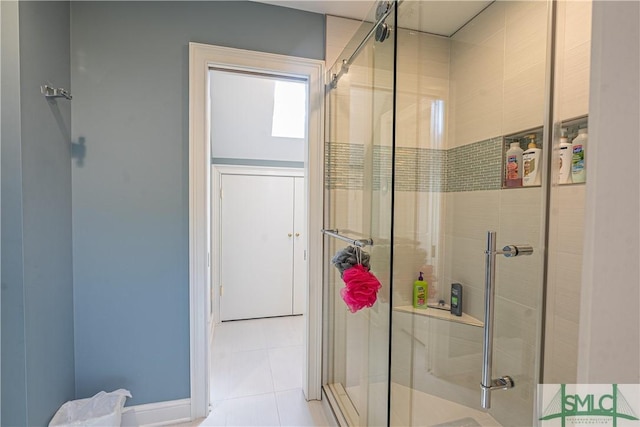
(242, 397)
(277, 408)
(257, 349)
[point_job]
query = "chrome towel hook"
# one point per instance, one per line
(50, 92)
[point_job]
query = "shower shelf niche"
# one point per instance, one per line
(523, 138)
(437, 313)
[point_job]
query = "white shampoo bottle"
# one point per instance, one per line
(565, 157)
(531, 164)
(578, 161)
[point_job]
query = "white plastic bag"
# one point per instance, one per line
(104, 410)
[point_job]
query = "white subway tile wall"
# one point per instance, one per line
(572, 58)
(477, 78)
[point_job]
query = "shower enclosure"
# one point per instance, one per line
(421, 108)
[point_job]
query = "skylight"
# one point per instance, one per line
(289, 109)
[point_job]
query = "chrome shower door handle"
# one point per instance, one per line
(487, 342)
(488, 384)
(516, 250)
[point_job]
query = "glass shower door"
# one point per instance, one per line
(460, 99)
(358, 197)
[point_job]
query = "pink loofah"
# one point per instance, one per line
(361, 288)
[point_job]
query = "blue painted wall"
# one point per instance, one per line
(130, 186)
(37, 288)
(14, 400)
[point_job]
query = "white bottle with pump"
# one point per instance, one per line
(566, 155)
(578, 165)
(531, 163)
(513, 166)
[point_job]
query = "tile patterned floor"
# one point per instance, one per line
(257, 381)
(256, 375)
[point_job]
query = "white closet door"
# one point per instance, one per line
(299, 261)
(256, 247)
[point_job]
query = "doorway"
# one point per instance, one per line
(203, 59)
(258, 228)
(258, 234)
(258, 125)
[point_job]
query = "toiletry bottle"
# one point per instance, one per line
(420, 293)
(531, 163)
(565, 157)
(513, 166)
(579, 146)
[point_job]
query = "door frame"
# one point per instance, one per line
(216, 245)
(201, 58)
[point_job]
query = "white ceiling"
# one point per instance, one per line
(355, 9)
(438, 17)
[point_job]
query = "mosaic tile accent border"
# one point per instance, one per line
(475, 167)
(420, 169)
(472, 167)
(344, 166)
(382, 167)
(417, 169)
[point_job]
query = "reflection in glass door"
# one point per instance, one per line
(358, 201)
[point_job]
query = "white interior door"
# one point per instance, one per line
(299, 249)
(256, 255)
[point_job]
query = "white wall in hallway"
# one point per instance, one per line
(243, 111)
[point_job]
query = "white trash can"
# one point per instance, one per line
(104, 410)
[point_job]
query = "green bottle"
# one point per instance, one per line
(420, 293)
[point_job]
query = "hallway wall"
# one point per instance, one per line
(131, 198)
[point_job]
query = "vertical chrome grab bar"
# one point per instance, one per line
(489, 297)
(488, 383)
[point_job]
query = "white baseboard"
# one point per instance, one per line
(157, 414)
